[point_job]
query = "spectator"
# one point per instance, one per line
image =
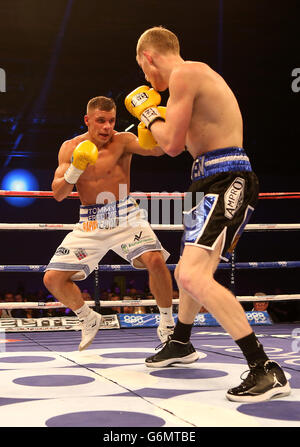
(40, 295)
(260, 305)
(128, 309)
(139, 309)
(116, 293)
(151, 309)
(114, 297)
(18, 313)
(132, 291)
(280, 312)
(29, 313)
(50, 311)
(8, 298)
(104, 296)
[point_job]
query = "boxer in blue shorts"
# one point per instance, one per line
(203, 117)
(98, 163)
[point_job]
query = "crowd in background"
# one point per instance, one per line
(112, 294)
(279, 311)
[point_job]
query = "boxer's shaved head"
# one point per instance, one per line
(101, 103)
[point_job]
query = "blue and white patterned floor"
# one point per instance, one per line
(46, 382)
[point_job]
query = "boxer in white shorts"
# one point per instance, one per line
(98, 163)
(119, 226)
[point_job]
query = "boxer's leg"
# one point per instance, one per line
(59, 283)
(160, 283)
(61, 286)
(138, 244)
(179, 348)
(196, 278)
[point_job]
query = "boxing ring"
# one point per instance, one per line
(46, 382)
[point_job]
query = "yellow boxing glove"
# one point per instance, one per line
(84, 153)
(142, 103)
(145, 137)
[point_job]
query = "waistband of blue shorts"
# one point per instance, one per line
(228, 159)
(119, 208)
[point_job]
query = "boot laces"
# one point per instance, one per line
(162, 345)
(252, 373)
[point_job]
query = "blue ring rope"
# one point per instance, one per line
(129, 268)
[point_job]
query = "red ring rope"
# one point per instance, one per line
(74, 195)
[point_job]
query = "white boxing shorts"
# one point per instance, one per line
(119, 226)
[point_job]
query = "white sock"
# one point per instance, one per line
(83, 312)
(166, 316)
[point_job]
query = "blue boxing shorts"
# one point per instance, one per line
(224, 192)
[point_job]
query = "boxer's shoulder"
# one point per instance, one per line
(78, 139)
(71, 143)
(68, 146)
(190, 72)
(124, 138)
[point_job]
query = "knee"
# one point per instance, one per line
(195, 284)
(52, 280)
(184, 279)
(154, 262)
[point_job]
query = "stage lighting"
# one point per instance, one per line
(19, 180)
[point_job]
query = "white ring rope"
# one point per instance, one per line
(136, 303)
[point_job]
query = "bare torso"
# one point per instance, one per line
(109, 179)
(216, 120)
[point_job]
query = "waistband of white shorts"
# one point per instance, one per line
(117, 209)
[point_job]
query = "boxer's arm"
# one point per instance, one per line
(171, 134)
(132, 146)
(61, 189)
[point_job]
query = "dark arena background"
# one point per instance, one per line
(54, 57)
